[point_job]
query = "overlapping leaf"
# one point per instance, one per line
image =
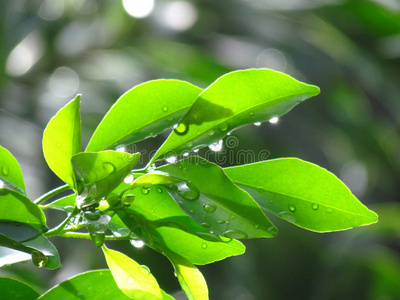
(15, 289)
(302, 193)
(10, 172)
(146, 110)
(62, 139)
(235, 99)
(212, 199)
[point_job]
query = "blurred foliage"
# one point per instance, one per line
(50, 50)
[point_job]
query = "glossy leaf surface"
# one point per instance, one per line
(190, 278)
(10, 172)
(233, 100)
(99, 173)
(15, 289)
(302, 193)
(134, 280)
(62, 139)
(172, 228)
(17, 208)
(211, 198)
(146, 110)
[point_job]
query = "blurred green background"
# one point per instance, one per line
(53, 49)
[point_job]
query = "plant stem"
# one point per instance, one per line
(83, 235)
(60, 228)
(51, 193)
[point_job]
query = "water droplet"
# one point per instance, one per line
(189, 144)
(120, 148)
(121, 232)
(292, 208)
(287, 216)
(235, 234)
(171, 159)
(137, 243)
(225, 239)
(5, 170)
(272, 230)
(129, 198)
(209, 208)
(2, 184)
(130, 280)
(223, 126)
(256, 226)
(144, 269)
(329, 210)
(196, 150)
(221, 222)
(129, 179)
(165, 108)
(98, 238)
(205, 224)
(181, 129)
(217, 146)
(257, 124)
(204, 245)
(80, 198)
(274, 120)
(314, 206)
(185, 154)
(187, 191)
(145, 191)
(180, 167)
(159, 190)
(251, 113)
(211, 132)
(39, 259)
(109, 167)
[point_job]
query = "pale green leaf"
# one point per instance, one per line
(10, 172)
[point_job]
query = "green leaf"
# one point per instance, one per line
(178, 233)
(24, 238)
(65, 203)
(99, 173)
(15, 289)
(190, 278)
(207, 195)
(134, 280)
(62, 139)
(10, 172)
(302, 193)
(146, 110)
(235, 99)
(93, 285)
(16, 207)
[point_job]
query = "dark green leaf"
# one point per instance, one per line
(134, 280)
(302, 193)
(24, 238)
(14, 289)
(233, 100)
(99, 173)
(146, 110)
(16, 207)
(190, 278)
(93, 285)
(179, 233)
(62, 139)
(10, 172)
(211, 198)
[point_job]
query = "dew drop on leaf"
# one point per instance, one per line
(217, 146)
(223, 126)
(159, 190)
(109, 167)
(209, 208)
(314, 206)
(5, 170)
(145, 191)
(181, 129)
(120, 148)
(251, 113)
(129, 198)
(98, 238)
(144, 269)
(189, 144)
(211, 132)
(39, 259)
(171, 159)
(257, 124)
(256, 226)
(205, 224)
(129, 179)
(274, 120)
(235, 234)
(165, 108)
(137, 243)
(287, 216)
(225, 239)
(292, 208)
(186, 154)
(121, 232)
(204, 245)
(221, 222)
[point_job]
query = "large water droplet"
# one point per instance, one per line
(159, 190)
(221, 222)
(137, 243)
(129, 179)
(225, 239)
(189, 144)
(121, 232)
(39, 259)
(257, 124)
(211, 132)
(204, 245)
(209, 208)
(165, 108)
(185, 153)
(181, 129)
(98, 238)
(236, 234)
(205, 224)
(274, 120)
(129, 198)
(187, 191)
(109, 167)
(145, 191)
(314, 206)
(223, 126)
(287, 216)
(144, 269)
(171, 159)
(292, 208)
(5, 170)
(120, 148)
(217, 146)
